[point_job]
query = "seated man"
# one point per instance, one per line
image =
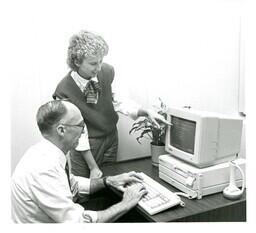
(42, 188)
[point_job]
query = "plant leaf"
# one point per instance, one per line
(139, 124)
(142, 135)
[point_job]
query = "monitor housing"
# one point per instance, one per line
(202, 138)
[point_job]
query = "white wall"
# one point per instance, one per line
(186, 52)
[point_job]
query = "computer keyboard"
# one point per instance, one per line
(158, 197)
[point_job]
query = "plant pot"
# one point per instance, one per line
(155, 152)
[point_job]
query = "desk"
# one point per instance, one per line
(211, 208)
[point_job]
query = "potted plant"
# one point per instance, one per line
(150, 131)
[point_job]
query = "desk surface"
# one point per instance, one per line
(212, 207)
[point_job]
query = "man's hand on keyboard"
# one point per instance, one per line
(121, 181)
(133, 193)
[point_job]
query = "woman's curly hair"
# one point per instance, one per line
(85, 44)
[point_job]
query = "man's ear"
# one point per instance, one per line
(60, 130)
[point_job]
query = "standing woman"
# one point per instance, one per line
(88, 85)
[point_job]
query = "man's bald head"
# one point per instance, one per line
(54, 112)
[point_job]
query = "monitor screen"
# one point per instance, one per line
(183, 134)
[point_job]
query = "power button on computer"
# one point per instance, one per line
(190, 181)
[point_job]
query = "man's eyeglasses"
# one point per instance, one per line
(81, 125)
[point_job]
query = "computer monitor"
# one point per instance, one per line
(202, 138)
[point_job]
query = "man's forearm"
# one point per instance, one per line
(131, 194)
(96, 185)
(114, 212)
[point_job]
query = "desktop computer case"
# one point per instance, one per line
(197, 182)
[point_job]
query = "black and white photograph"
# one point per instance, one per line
(129, 113)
